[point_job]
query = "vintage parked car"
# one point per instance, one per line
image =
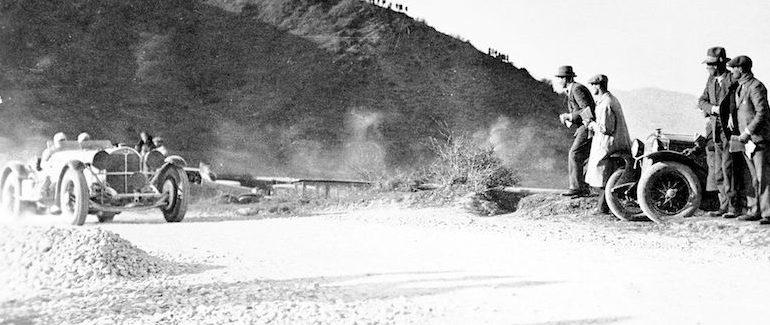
(95, 177)
(659, 180)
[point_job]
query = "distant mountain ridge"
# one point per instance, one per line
(647, 109)
(308, 87)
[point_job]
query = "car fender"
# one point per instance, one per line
(668, 155)
(156, 178)
(15, 167)
(176, 160)
(624, 158)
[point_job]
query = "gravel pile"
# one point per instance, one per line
(177, 301)
(70, 257)
(543, 205)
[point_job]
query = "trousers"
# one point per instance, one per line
(578, 155)
(726, 178)
(758, 198)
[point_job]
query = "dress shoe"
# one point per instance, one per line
(598, 212)
(581, 194)
(714, 214)
(746, 217)
(572, 192)
(729, 215)
(764, 221)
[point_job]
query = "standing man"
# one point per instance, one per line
(754, 128)
(610, 136)
(579, 101)
(716, 103)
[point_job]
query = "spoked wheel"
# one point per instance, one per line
(669, 190)
(73, 199)
(10, 202)
(174, 186)
(622, 206)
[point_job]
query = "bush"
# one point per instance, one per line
(461, 161)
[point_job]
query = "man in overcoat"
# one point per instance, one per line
(717, 102)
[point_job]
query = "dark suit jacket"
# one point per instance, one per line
(579, 97)
(721, 95)
(752, 108)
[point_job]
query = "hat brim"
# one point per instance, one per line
(565, 75)
(714, 59)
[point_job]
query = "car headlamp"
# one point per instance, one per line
(101, 160)
(154, 159)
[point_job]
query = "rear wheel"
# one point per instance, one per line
(622, 206)
(174, 186)
(73, 199)
(10, 197)
(669, 190)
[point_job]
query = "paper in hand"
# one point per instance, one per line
(750, 147)
(586, 114)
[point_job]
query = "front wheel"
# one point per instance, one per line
(174, 186)
(669, 190)
(10, 196)
(621, 205)
(73, 196)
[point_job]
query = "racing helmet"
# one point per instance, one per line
(84, 137)
(59, 137)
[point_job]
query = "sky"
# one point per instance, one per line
(637, 44)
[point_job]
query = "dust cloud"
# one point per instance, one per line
(278, 152)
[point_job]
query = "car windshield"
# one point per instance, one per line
(95, 144)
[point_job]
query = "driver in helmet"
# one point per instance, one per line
(44, 187)
(58, 139)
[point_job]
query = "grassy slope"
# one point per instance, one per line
(278, 86)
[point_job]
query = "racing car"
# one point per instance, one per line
(95, 177)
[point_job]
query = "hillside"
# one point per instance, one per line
(316, 88)
(650, 108)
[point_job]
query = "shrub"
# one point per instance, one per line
(461, 161)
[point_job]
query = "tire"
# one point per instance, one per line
(174, 184)
(73, 196)
(106, 216)
(622, 207)
(669, 190)
(11, 193)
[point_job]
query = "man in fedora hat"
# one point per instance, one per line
(578, 101)
(753, 125)
(716, 103)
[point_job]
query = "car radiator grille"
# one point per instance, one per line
(124, 174)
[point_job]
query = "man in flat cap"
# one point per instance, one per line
(579, 101)
(610, 136)
(752, 112)
(716, 103)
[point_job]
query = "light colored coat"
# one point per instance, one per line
(611, 135)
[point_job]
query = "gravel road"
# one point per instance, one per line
(384, 265)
